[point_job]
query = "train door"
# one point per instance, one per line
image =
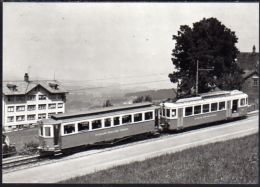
(180, 118)
(235, 106)
(157, 117)
(57, 134)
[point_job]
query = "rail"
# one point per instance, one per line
(18, 161)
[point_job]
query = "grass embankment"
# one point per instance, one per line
(23, 137)
(233, 161)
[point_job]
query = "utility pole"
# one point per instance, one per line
(197, 79)
(197, 76)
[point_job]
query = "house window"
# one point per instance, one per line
(42, 97)
(42, 107)
(116, 120)
(205, 108)
(83, 126)
(41, 116)
(148, 115)
(31, 107)
(20, 98)
(138, 117)
(126, 119)
(222, 105)
(10, 109)
(68, 129)
(20, 118)
(197, 109)
(107, 122)
(255, 82)
(10, 119)
(214, 107)
(20, 108)
(10, 98)
(60, 105)
(96, 124)
(52, 106)
(188, 111)
(31, 117)
(31, 97)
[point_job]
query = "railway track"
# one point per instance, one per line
(13, 163)
(16, 161)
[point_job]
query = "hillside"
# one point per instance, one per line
(155, 94)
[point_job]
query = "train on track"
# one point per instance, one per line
(63, 132)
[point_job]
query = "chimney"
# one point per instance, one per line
(26, 77)
(253, 49)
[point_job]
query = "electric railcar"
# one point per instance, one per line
(206, 108)
(65, 131)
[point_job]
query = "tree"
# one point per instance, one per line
(148, 98)
(212, 45)
(141, 99)
(107, 103)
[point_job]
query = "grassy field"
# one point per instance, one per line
(234, 161)
(23, 136)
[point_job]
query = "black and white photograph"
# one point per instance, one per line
(130, 92)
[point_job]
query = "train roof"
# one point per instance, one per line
(103, 110)
(98, 113)
(204, 96)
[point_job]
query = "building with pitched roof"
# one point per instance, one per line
(25, 102)
(249, 62)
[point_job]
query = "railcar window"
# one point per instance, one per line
(173, 112)
(205, 108)
(246, 101)
(68, 129)
(96, 124)
(168, 112)
(116, 121)
(242, 102)
(107, 122)
(83, 126)
(222, 105)
(197, 109)
(163, 112)
(47, 131)
(214, 106)
(138, 117)
(188, 111)
(126, 119)
(148, 115)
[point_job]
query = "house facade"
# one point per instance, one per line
(249, 62)
(26, 102)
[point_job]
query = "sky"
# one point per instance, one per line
(118, 42)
